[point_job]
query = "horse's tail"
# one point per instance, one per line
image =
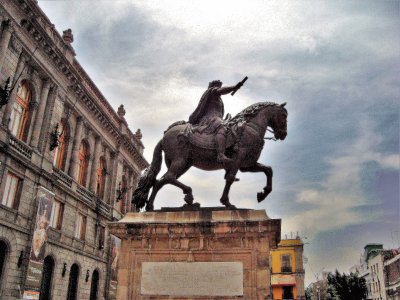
(148, 179)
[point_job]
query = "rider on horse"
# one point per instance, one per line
(209, 115)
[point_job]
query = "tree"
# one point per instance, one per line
(309, 293)
(344, 287)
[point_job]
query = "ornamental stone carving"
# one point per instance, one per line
(67, 36)
(121, 111)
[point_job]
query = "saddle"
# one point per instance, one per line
(194, 134)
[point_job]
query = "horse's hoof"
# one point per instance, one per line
(149, 207)
(261, 196)
(188, 198)
(227, 204)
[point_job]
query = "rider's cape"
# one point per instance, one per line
(201, 109)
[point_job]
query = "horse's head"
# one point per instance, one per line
(266, 114)
(278, 121)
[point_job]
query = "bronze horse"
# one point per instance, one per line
(181, 154)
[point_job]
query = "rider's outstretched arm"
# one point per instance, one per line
(228, 89)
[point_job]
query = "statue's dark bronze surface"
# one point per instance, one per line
(210, 143)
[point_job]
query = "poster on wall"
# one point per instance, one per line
(42, 222)
(115, 250)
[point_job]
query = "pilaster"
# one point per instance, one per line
(37, 126)
(5, 39)
(75, 147)
(95, 164)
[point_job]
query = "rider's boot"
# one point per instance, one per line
(221, 144)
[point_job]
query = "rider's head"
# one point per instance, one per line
(215, 83)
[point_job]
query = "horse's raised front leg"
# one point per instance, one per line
(230, 178)
(268, 173)
(170, 177)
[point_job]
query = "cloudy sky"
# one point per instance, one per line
(336, 64)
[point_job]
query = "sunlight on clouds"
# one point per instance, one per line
(389, 161)
(242, 23)
(308, 196)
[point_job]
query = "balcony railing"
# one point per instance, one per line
(20, 147)
(62, 177)
(286, 269)
(84, 193)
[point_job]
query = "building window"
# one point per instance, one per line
(286, 266)
(101, 235)
(100, 174)
(57, 212)
(61, 150)
(83, 163)
(80, 227)
(11, 191)
(20, 111)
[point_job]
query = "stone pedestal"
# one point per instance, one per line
(206, 254)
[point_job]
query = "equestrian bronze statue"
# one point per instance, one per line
(210, 142)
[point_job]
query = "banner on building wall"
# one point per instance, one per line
(115, 250)
(42, 222)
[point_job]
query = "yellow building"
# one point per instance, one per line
(287, 272)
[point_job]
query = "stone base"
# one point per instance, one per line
(205, 254)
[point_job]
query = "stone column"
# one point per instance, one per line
(75, 148)
(95, 165)
(129, 193)
(37, 126)
(114, 181)
(107, 177)
(89, 160)
(5, 40)
(20, 66)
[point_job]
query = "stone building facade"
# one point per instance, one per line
(68, 164)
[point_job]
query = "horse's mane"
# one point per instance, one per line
(251, 111)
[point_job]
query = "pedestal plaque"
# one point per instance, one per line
(202, 254)
(192, 278)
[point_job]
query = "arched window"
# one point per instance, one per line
(73, 282)
(94, 286)
(100, 177)
(61, 151)
(20, 111)
(3, 256)
(83, 163)
(47, 276)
